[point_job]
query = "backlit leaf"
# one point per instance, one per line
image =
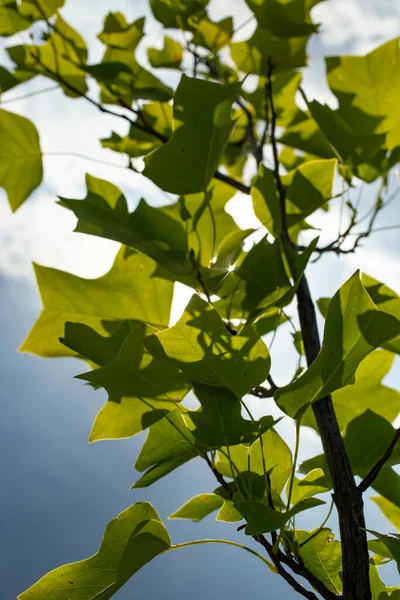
(175, 13)
(285, 19)
(202, 125)
(207, 353)
(354, 327)
(322, 556)
(21, 168)
(198, 507)
(117, 32)
(141, 389)
(390, 510)
(130, 541)
(169, 444)
(127, 291)
(169, 57)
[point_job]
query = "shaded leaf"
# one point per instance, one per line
(207, 353)
(130, 541)
(263, 519)
(219, 422)
(169, 444)
(212, 35)
(392, 543)
(141, 389)
(175, 13)
(39, 9)
(202, 125)
(21, 169)
(285, 19)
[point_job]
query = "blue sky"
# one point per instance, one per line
(58, 492)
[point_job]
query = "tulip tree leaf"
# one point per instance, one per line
(322, 556)
(284, 54)
(21, 168)
(198, 507)
(367, 439)
(130, 541)
(11, 19)
(367, 88)
(263, 519)
(127, 291)
(367, 392)
(285, 19)
(175, 13)
(390, 510)
(312, 484)
(354, 327)
(141, 389)
(392, 543)
(212, 35)
(169, 444)
(104, 213)
(158, 115)
(273, 452)
(386, 300)
(39, 9)
(62, 57)
(169, 57)
(219, 421)
(304, 134)
(117, 33)
(202, 126)
(208, 353)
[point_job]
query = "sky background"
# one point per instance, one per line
(58, 492)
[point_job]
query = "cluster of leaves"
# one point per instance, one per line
(119, 323)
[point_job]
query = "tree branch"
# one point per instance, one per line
(348, 498)
(374, 472)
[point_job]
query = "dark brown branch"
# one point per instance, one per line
(263, 392)
(241, 187)
(347, 497)
(374, 472)
(256, 150)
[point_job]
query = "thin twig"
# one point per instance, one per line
(374, 472)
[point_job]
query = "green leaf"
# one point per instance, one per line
(169, 444)
(117, 33)
(127, 291)
(349, 146)
(219, 422)
(381, 550)
(308, 187)
(207, 353)
(273, 452)
(212, 35)
(141, 389)
(322, 556)
(367, 392)
(198, 507)
(37, 10)
(354, 327)
(390, 510)
(11, 20)
(386, 300)
(285, 19)
(94, 347)
(367, 88)
(263, 519)
(202, 126)
(10, 80)
(228, 513)
(392, 543)
(122, 79)
(21, 168)
(312, 484)
(304, 134)
(157, 115)
(61, 58)
(253, 55)
(169, 57)
(367, 439)
(130, 541)
(175, 13)
(150, 230)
